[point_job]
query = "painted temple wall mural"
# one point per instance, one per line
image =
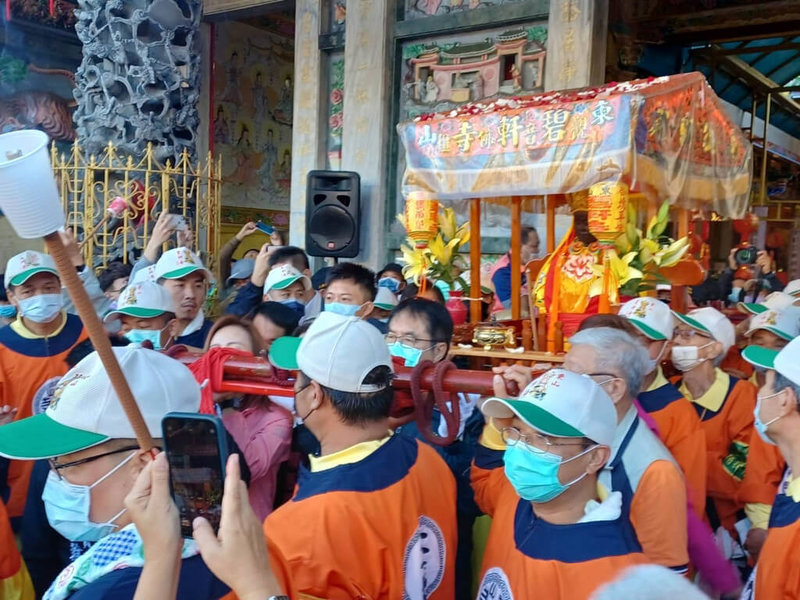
(252, 117)
(440, 73)
(37, 80)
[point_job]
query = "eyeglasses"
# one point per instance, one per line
(608, 376)
(56, 467)
(296, 391)
(512, 436)
(689, 334)
(408, 339)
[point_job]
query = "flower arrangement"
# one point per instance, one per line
(440, 259)
(640, 256)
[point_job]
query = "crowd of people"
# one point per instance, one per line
(656, 462)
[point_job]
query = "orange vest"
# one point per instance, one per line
(777, 574)
(26, 364)
(383, 527)
(680, 430)
(527, 557)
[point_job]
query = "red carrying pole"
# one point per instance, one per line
(255, 376)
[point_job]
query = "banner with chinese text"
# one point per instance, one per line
(667, 137)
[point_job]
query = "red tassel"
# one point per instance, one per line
(52, 8)
(8, 11)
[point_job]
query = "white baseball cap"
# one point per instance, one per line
(145, 274)
(793, 288)
(145, 300)
(786, 361)
(282, 276)
(774, 301)
(783, 323)
(85, 410)
(385, 299)
(711, 322)
(650, 316)
(336, 351)
(178, 263)
(25, 265)
(562, 404)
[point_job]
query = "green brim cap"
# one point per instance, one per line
(284, 283)
(752, 307)
(40, 437)
(283, 352)
(781, 334)
(134, 311)
(692, 323)
(646, 329)
(384, 306)
(760, 356)
(535, 417)
(183, 272)
(21, 278)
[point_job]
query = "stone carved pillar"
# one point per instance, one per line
(576, 44)
(308, 132)
(139, 78)
(367, 133)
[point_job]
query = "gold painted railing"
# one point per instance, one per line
(112, 201)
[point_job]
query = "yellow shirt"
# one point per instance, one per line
(715, 395)
(659, 382)
(350, 455)
(19, 328)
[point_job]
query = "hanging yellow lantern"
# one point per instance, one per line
(421, 218)
(608, 205)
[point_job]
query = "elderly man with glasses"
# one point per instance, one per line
(556, 532)
(640, 467)
(94, 462)
(743, 472)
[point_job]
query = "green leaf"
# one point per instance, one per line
(663, 213)
(464, 285)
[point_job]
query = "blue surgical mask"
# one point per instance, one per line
(137, 336)
(8, 311)
(760, 426)
(295, 305)
(390, 284)
(67, 507)
(733, 297)
(346, 310)
(534, 472)
(42, 308)
(409, 353)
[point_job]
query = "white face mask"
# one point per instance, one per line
(654, 362)
(686, 358)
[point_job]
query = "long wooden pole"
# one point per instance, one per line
(551, 225)
(762, 193)
(100, 341)
(475, 259)
(516, 256)
(678, 293)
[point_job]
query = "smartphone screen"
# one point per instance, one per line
(196, 447)
(265, 228)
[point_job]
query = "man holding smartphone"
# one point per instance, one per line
(95, 460)
(377, 510)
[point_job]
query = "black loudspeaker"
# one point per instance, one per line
(333, 213)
